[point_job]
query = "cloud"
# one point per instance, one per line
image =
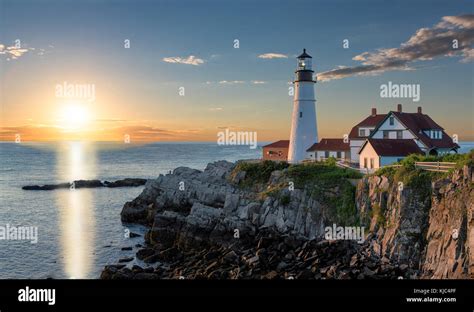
(190, 60)
(13, 52)
(236, 82)
(231, 82)
(425, 45)
(272, 56)
(40, 132)
(216, 109)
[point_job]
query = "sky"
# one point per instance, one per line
(171, 70)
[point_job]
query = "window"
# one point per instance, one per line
(365, 162)
(385, 134)
(399, 134)
(326, 154)
(301, 114)
(371, 163)
(338, 154)
(391, 121)
(435, 134)
(362, 132)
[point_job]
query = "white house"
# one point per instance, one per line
(326, 148)
(426, 133)
(360, 132)
(400, 134)
(377, 153)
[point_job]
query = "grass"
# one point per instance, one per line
(257, 172)
(326, 183)
(329, 185)
(408, 173)
(379, 214)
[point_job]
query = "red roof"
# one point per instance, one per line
(279, 144)
(393, 147)
(371, 121)
(418, 122)
(329, 145)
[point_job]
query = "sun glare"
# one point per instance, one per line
(74, 116)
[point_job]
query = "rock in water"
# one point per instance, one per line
(129, 182)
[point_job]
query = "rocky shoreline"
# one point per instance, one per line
(212, 225)
(264, 257)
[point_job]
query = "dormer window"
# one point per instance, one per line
(434, 134)
(391, 121)
(362, 132)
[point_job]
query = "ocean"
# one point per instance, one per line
(79, 231)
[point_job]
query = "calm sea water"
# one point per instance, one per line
(80, 231)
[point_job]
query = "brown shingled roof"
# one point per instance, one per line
(329, 145)
(393, 147)
(279, 144)
(418, 122)
(371, 121)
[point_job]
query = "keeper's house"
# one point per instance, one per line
(399, 134)
(326, 148)
(376, 153)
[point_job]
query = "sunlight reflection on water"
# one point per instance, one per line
(75, 161)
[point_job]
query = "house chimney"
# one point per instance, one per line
(419, 110)
(374, 111)
(399, 108)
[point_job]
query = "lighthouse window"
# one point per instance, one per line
(301, 114)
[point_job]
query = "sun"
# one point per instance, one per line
(74, 116)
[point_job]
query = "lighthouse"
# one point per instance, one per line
(304, 131)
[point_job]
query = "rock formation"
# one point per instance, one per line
(208, 224)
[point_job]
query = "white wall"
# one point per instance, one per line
(366, 129)
(322, 154)
(406, 134)
(304, 131)
(369, 153)
(355, 146)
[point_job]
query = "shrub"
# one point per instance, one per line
(378, 213)
(328, 184)
(258, 172)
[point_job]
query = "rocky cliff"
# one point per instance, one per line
(231, 222)
(425, 225)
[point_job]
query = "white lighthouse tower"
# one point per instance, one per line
(304, 131)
